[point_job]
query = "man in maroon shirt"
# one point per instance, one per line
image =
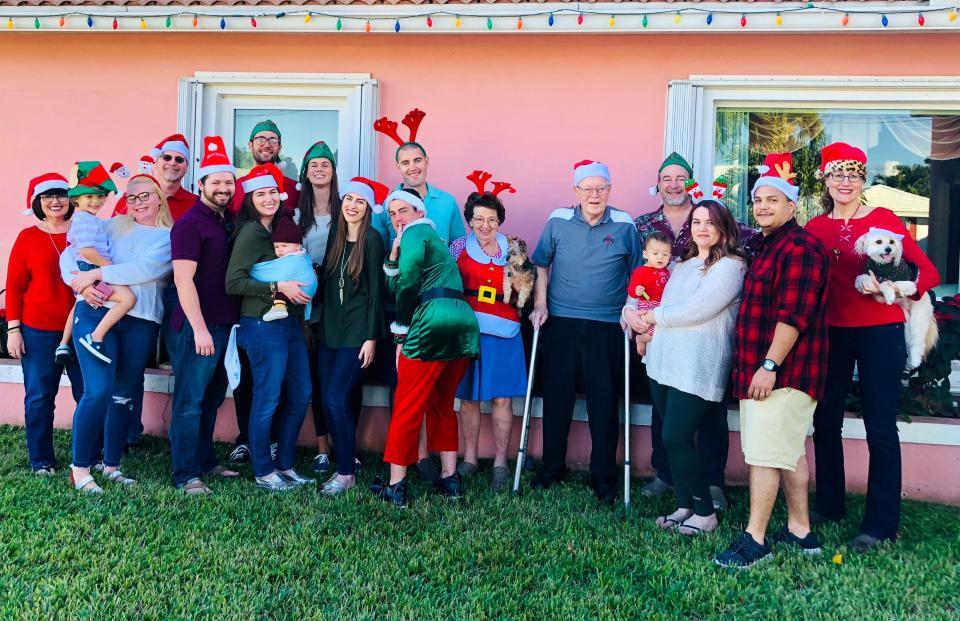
(265, 145)
(780, 365)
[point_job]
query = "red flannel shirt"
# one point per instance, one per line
(786, 283)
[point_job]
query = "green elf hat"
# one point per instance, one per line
(317, 149)
(90, 177)
(265, 126)
(676, 159)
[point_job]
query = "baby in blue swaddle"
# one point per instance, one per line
(292, 263)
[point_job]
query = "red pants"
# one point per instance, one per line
(424, 387)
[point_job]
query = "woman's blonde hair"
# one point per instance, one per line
(164, 218)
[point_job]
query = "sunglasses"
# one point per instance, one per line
(176, 158)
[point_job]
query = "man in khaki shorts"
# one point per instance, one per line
(780, 365)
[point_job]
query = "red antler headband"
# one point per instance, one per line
(480, 178)
(389, 128)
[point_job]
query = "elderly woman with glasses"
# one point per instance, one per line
(864, 332)
(499, 374)
(38, 303)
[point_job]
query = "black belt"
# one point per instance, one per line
(440, 292)
(476, 292)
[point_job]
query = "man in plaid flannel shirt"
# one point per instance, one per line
(780, 364)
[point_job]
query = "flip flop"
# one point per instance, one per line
(667, 523)
(694, 531)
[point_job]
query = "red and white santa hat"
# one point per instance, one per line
(777, 172)
(215, 158)
(372, 191)
(41, 184)
(263, 176)
(841, 157)
(176, 143)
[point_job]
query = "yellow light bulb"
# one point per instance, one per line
(306, 19)
(456, 24)
(779, 20)
(612, 22)
(676, 18)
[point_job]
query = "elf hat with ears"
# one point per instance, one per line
(373, 192)
(90, 177)
(317, 149)
(777, 172)
(41, 184)
(264, 176)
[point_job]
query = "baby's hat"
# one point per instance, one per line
(287, 231)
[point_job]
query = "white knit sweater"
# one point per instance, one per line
(692, 347)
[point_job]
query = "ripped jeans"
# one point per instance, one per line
(107, 405)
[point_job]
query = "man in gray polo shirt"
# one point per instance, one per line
(584, 259)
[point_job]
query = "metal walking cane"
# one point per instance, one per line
(525, 430)
(626, 418)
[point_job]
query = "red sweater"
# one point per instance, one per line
(847, 307)
(35, 293)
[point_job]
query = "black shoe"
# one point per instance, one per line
(450, 487)
(808, 545)
(605, 489)
(427, 469)
(63, 355)
(547, 478)
(321, 464)
(818, 519)
(743, 552)
(396, 493)
(864, 543)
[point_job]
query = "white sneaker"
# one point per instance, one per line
(276, 312)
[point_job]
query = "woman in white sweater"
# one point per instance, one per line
(689, 360)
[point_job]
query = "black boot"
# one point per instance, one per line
(450, 486)
(396, 493)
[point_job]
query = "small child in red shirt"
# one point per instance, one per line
(647, 282)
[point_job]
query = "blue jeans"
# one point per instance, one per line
(278, 361)
(339, 373)
(109, 390)
(880, 354)
(201, 385)
(41, 382)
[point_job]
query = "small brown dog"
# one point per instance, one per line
(519, 274)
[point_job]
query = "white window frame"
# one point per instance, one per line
(354, 95)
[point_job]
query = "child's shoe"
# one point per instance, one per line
(279, 311)
(64, 355)
(94, 348)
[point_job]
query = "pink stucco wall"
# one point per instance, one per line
(525, 107)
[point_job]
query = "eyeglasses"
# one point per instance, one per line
(599, 190)
(176, 158)
(488, 221)
(142, 197)
(49, 198)
(262, 140)
(840, 177)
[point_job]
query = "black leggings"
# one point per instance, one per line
(683, 415)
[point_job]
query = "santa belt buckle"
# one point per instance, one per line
(487, 295)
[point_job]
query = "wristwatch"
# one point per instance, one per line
(273, 288)
(770, 365)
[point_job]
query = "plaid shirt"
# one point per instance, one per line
(786, 283)
(656, 221)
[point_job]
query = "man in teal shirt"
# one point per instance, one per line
(442, 209)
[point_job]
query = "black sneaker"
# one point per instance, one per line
(744, 552)
(818, 519)
(450, 487)
(63, 355)
(395, 494)
(546, 478)
(808, 545)
(321, 464)
(240, 454)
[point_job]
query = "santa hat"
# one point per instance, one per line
(263, 176)
(841, 156)
(215, 158)
(146, 164)
(265, 126)
(287, 231)
(373, 192)
(589, 168)
(90, 177)
(317, 149)
(777, 172)
(120, 170)
(176, 143)
(44, 183)
(409, 197)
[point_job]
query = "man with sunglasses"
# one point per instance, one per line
(265, 145)
(200, 324)
(172, 159)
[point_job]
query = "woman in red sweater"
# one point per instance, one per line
(867, 333)
(38, 303)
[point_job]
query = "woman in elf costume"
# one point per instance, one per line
(437, 334)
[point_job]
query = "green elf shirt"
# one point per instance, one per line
(441, 328)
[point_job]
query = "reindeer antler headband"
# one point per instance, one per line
(389, 128)
(480, 178)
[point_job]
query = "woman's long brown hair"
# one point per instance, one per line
(355, 262)
(727, 227)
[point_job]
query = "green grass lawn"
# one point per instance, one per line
(150, 553)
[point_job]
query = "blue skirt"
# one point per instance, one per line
(501, 370)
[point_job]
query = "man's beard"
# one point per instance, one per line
(212, 198)
(674, 202)
(273, 160)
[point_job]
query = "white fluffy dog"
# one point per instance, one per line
(884, 252)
